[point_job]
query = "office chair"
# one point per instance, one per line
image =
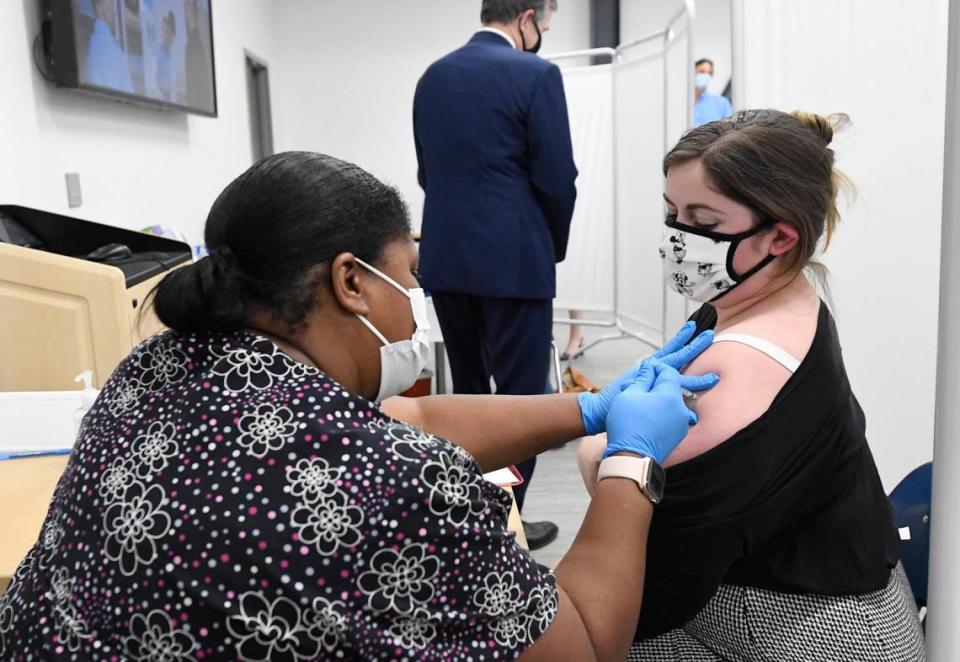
(911, 506)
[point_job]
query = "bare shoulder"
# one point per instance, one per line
(790, 326)
(749, 379)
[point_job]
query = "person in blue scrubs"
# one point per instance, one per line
(107, 64)
(708, 107)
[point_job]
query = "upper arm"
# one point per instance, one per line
(749, 382)
(565, 639)
(403, 409)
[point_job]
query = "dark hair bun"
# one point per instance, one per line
(201, 297)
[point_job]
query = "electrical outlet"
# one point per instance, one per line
(74, 196)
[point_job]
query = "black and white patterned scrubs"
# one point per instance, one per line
(226, 502)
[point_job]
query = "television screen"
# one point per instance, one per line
(154, 51)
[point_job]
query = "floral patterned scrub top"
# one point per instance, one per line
(226, 502)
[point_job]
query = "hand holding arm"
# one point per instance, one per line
(657, 395)
(527, 425)
(676, 353)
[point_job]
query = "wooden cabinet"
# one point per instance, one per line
(60, 316)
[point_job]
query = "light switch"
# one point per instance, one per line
(74, 196)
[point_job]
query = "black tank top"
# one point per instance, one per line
(791, 503)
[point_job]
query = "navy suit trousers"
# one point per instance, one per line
(506, 339)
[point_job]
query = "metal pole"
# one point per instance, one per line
(587, 52)
(615, 172)
(690, 57)
(440, 365)
(641, 40)
(557, 372)
(583, 322)
(943, 636)
(737, 48)
(676, 17)
(691, 15)
(666, 145)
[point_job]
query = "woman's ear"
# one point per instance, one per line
(785, 237)
(348, 284)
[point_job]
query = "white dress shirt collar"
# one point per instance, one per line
(501, 33)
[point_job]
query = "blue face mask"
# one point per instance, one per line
(703, 80)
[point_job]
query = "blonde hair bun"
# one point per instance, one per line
(824, 127)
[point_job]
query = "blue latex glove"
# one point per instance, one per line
(675, 353)
(649, 417)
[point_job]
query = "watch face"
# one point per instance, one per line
(657, 481)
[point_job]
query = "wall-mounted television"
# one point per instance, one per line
(158, 52)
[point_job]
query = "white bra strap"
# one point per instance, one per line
(778, 354)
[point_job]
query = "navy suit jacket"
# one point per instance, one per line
(496, 164)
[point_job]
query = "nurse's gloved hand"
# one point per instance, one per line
(649, 417)
(675, 353)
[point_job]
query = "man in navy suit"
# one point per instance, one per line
(496, 163)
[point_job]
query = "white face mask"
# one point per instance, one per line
(402, 362)
(699, 264)
(702, 80)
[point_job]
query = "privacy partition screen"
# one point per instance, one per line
(623, 117)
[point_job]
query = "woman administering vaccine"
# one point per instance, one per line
(236, 493)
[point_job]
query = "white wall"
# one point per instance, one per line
(570, 30)
(711, 29)
(138, 166)
(342, 77)
(350, 70)
(884, 63)
(640, 17)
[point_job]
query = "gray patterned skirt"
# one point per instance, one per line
(742, 624)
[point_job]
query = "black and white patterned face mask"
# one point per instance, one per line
(698, 263)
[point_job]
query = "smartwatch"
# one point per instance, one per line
(644, 471)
